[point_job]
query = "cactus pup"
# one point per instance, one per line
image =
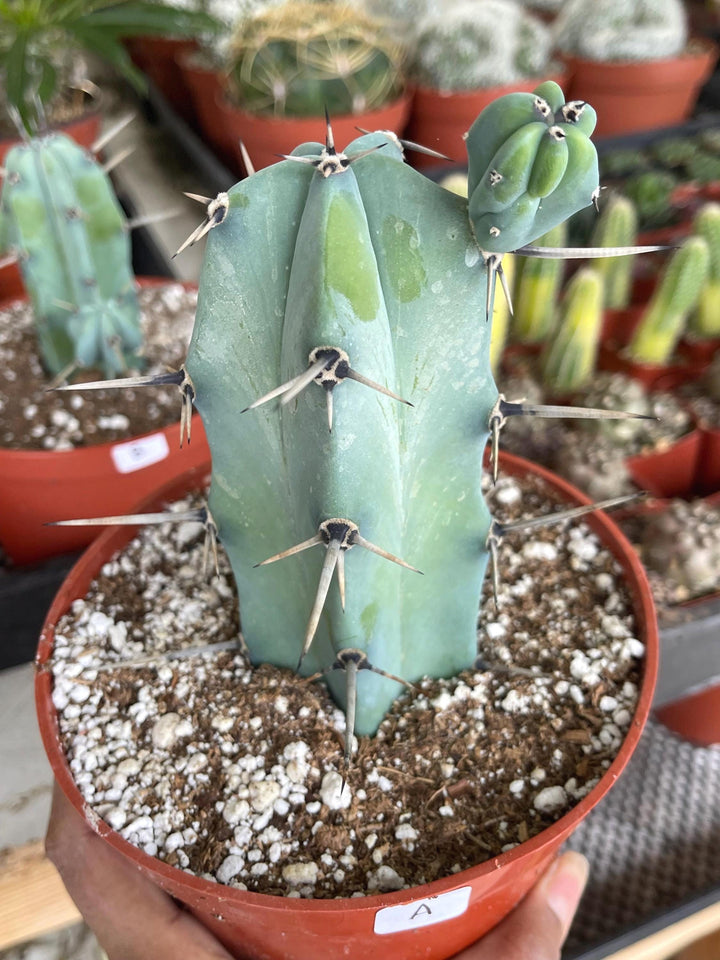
(617, 226)
(704, 321)
(570, 357)
(340, 363)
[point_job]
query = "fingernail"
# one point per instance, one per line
(565, 886)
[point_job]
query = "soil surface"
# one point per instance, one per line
(236, 774)
(33, 419)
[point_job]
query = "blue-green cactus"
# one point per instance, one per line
(60, 216)
(341, 283)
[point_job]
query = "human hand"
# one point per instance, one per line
(134, 920)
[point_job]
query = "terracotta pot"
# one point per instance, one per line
(267, 137)
(430, 922)
(439, 119)
(633, 95)
(695, 717)
(110, 478)
(699, 351)
(672, 471)
(206, 89)
(85, 131)
(156, 57)
(653, 376)
(708, 474)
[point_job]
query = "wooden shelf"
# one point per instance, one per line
(33, 900)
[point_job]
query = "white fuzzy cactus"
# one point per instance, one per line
(480, 43)
(610, 30)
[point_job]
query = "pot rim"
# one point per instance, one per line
(10, 456)
(114, 539)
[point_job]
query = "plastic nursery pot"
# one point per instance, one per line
(206, 90)
(634, 95)
(440, 118)
(267, 137)
(654, 376)
(707, 480)
(699, 351)
(669, 472)
(108, 479)
(695, 717)
(430, 922)
(156, 57)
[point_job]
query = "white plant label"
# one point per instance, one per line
(136, 454)
(422, 913)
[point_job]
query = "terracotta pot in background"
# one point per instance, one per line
(669, 472)
(459, 908)
(156, 57)
(695, 717)
(41, 485)
(439, 119)
(653, 376)
(699, 351)
(85, 131)
(642, 95)
(206, 89)
(708, 475)
(267, 137)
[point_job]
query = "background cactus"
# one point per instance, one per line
(302, 58)
(622, 29)
(60, 216)
(536, 292)
(571, 354)
(328, 271)
(705, 319)
(617, 226)
(676, 295)
(472, 45)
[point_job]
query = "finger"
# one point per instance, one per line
(537, 928)
(131, 917)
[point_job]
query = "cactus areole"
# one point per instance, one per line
(349, 294)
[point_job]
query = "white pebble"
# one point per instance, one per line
(334, 793)
(550, 798)
(229, 868)
(297, 874)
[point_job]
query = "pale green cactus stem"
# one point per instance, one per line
(617, 226)
(704, 321)
(501, 316)
(536, 292)
(341, 364)
(372, 271)
(59, 216)
(572, 353)
(676, 296)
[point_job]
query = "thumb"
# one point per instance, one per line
(537, 928)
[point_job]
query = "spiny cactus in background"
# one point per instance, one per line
(353, 291)
(651, 193)
(59, 216)
(572, 352)
(705, 319)
(302, 58)
(676, 295)
(621, 29)
(473, 45)
(536, 292)
(617, 226)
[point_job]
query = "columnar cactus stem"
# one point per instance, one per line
(536, 292)
(60, 216)
(616, 227)
(677, 294)
(354, 255)
(571, 355)
(705, 319)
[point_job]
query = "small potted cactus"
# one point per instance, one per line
(289, 63)
(634, 59)
(62, 224)
(465, 55)
(341, 362)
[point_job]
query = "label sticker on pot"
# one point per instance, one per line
(136, 454)
(422, 913)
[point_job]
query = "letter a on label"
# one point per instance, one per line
(422, 913)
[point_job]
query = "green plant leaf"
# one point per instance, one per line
(136, 18)
(111, 50)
